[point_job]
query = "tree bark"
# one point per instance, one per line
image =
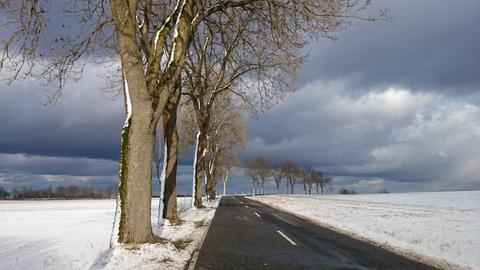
(200, 151)
(171, 142)
(210, 171)
(134, 225)
(211, 186)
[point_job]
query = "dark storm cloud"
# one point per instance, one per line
(86, 123)
(27, 164)
(430, 45)
(391, 134)
(375, 108)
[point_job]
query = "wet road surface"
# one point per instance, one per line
(246, 234)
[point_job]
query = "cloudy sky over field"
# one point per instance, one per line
(391, 105)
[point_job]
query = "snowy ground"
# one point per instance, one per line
(438, 227)
(76, 234)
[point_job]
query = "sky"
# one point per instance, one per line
(392, 105)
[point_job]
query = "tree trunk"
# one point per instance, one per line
(305, 188)
(286, 181)
(171, 147)
(132, 223)
(200, 151)
(278, 188)
(210, 186)
(225, 183)
(321, 188)
(210, 171)
(263, 190)
(161, 180)
(134, 196)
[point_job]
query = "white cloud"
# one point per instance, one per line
(388, 133)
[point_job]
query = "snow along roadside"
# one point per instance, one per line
(175, 253)
(438, 229)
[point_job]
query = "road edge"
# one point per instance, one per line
(194, 258)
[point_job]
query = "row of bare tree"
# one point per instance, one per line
(260, 171)
(218, 54)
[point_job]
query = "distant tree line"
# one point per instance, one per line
(60, 192)
(344, 191)
(260, 171)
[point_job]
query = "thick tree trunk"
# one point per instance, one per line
(263, 190)
(210, 172)
(134, 196)
(286, 187)
(170, 174)
(200, 152)
(211, 187)
(145, 102)
(278, 188)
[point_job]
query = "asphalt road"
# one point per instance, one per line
(245, 234)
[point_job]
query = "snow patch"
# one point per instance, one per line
(76, 235)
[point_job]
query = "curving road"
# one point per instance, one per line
(246, 234)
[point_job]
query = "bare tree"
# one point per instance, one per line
(227, 57)
(321, 180)
(152, 39)
(317, 178)
(291, 171)
(261, 168)
(4, 194)
(253, 176)
(277, 174)
(226, 135)
(229, 158)
(307, 174)
(326, 181)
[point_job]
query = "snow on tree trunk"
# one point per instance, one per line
(225, 183)
(162, 183)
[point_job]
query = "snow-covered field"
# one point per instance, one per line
(76, 235)
(438, 227)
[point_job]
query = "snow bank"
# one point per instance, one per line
(76, 234)
(441, 227)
